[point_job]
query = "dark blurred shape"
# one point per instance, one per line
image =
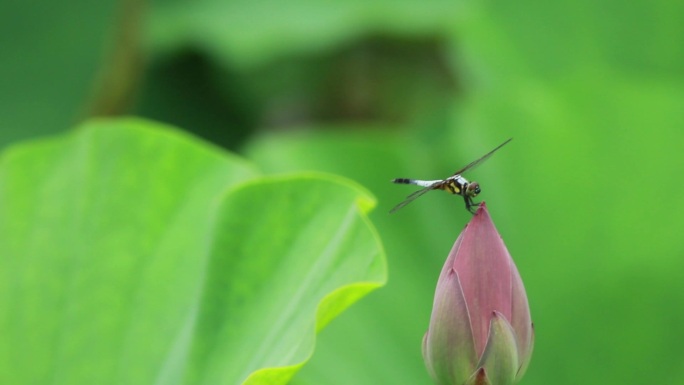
(183, 91)
(384, 78)
(378, 79)
(121, 69)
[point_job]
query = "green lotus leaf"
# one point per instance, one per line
(132, 253)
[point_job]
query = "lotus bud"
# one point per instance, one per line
(480, 330)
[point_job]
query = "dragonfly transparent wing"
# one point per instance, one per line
(486, 156)
(413, 196)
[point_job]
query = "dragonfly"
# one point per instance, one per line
(455, 184)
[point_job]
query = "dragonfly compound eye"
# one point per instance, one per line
(473, 189)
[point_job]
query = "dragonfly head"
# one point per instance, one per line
(473, 189)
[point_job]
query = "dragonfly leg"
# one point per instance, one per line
(470, 205)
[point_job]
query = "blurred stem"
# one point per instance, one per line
(118, 77)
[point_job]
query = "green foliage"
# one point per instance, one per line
(132, 253)
(587, 196)
(251, 33)
(51, 55)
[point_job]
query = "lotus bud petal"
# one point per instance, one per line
(480, 330)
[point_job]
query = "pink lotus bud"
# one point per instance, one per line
(480, 329)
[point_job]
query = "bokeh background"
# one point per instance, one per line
(588, 196)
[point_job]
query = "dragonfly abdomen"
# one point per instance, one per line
(418, 182)
(402, 181)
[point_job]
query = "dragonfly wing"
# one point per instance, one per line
(413, 196)
(473, 164)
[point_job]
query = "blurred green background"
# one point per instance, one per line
(588, 196)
